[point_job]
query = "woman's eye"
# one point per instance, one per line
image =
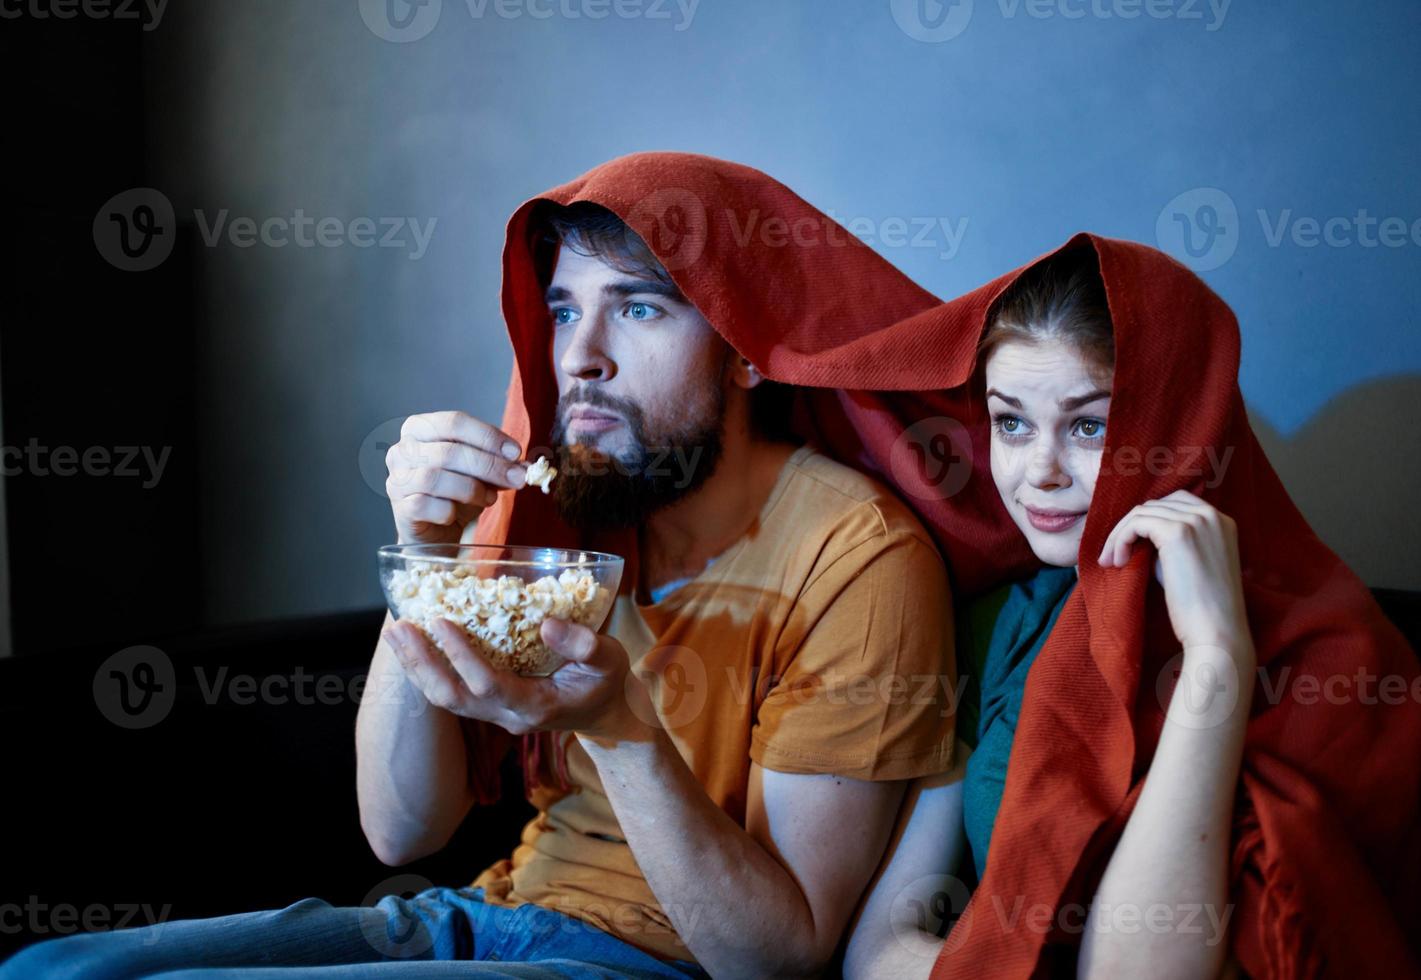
(1090, 428)
(1010, 425)
(563, 315)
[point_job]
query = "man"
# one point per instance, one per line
(718, 774)
(739, 833)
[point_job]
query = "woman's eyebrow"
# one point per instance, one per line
(1013, 402)
(1071, 404)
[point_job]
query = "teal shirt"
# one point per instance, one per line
(1002, 633)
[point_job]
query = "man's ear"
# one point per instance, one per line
(744, 374)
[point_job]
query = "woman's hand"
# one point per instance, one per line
(1198, 566)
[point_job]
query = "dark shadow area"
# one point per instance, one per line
(218, 806)
(98, 366)
(1353, 471)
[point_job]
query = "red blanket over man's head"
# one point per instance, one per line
(1326, 848)
(804, 300)
(809, 305)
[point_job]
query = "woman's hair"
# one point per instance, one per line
(1062, 299)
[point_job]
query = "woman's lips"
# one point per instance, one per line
(1053, 521)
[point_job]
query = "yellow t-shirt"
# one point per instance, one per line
(820, 642)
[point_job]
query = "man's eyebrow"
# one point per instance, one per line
(632, 287)
(1013, 402)
(622, 287)
(1071, 404)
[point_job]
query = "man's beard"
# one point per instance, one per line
(595, 490)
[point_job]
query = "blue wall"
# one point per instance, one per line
(1023, 123)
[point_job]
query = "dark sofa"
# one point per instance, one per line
(221, 806)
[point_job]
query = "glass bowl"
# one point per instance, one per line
(500, 594)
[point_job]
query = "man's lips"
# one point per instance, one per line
(1053, 521)
(589, 420)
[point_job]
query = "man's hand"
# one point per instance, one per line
(446, 468)
(591, 694)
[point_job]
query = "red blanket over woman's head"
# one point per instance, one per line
(1326, 846)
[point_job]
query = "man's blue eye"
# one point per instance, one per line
(641, 311)
(563, 315)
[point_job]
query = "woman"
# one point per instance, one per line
(1121, 840)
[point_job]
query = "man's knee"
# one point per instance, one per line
(59, 958)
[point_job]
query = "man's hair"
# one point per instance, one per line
(593, 230)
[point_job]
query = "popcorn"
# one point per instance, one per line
(502, 615)
(540, 474)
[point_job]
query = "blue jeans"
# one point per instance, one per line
(440, 932)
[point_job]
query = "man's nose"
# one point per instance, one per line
(586, 357)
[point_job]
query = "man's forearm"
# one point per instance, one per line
(737, 909)
(411, 765)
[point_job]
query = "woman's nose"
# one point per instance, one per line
(1044, 466)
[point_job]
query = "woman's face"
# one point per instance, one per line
(1048, 406)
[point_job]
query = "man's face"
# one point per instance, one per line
(641, 378)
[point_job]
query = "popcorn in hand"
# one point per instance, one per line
(540, 474)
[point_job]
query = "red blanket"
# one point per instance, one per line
(1326, 845)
